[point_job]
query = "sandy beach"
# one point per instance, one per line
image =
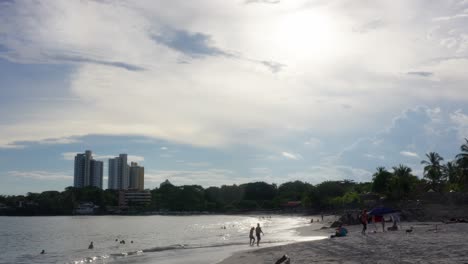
(447, 244)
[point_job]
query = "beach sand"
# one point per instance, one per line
(449, 244)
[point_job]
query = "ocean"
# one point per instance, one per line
(156, 239)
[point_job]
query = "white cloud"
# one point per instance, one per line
(41, 175)
(69, 155)
(163, 148)
(11, 146)
(58, 141)
(232, 99)
(409, 154)
(313, 142)
(372, 156)
(460, 120)
(292, 156)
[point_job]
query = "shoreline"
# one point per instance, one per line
(310, 233)
(425, 244)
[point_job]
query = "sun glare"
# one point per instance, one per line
(305, 35)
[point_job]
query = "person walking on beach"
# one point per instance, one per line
(364, 219)
(251, 236)
(258, 230)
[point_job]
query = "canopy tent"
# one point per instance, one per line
(381, 211)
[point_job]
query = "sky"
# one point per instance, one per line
(221, 92)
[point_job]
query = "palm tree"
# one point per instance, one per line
(433, 170)
(464, 150)
(450, 171)
(402, 181)
(462, 163)
(381, 180)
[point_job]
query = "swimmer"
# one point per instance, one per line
(43, 252)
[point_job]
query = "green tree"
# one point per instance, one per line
(462, 163)
(402, 183)
(433, 170)
(381, 181)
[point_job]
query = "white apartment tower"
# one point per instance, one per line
(119, 173)
(88, 172)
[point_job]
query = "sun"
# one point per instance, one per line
(305, 35)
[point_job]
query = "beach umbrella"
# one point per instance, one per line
(382, 211)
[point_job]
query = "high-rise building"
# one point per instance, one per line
(118, 173)
(137, 177)
(88, 172)
(96, 173)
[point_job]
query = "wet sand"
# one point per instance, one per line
(447, 244)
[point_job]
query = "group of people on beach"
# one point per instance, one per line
(258, 231)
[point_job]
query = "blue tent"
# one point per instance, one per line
(382, 211)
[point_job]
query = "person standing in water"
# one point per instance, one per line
(251, 236)
(91, 246)
(258, 231)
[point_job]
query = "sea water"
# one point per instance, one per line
(156, 239)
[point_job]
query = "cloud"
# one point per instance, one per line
(446, 18)
(163, 148)
(263, 1)
(41, 175)
(291, 156)
(371, 156)
(226, 93)
(313, 142)
(59, 141)
(369, 26)
(460, 120)
(409, 154)
(275, 67)
(123, 65)
(420, 73)
(192, 44)
(11, 146)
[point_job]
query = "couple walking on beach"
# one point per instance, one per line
(258, 231)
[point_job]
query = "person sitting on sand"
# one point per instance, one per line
(251, 236)
(340, 231)
(258, 231)
(91, 246)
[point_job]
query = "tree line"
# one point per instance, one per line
(397, 184)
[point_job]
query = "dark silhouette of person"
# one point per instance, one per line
(258, 231)
(364, 219)
(251, 236)
(43, 252)
(131, 241)
(91, 246)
